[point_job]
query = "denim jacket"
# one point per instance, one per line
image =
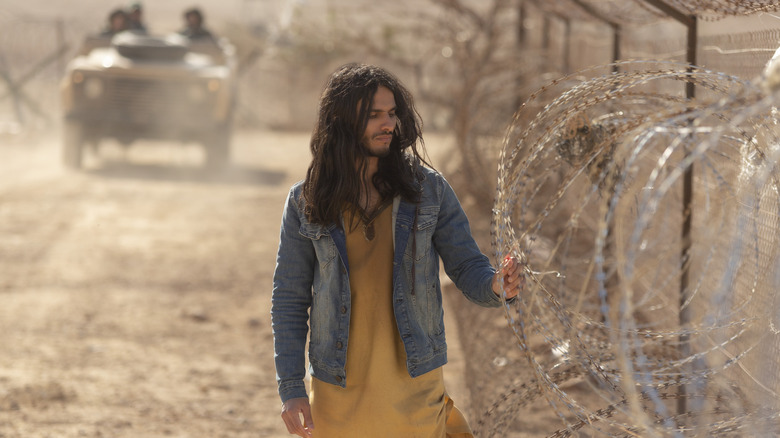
(312, 281)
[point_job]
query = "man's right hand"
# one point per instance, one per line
(292, 410)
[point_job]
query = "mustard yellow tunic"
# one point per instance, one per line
(380, 399)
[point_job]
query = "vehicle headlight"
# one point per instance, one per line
(93, 88)
(198, 92)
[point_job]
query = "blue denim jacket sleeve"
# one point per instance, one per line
(463, 261)
(291, 300)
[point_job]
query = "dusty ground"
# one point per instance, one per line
(136, 294)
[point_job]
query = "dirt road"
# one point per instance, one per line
(136, 294)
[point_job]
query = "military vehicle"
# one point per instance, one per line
(134, 86)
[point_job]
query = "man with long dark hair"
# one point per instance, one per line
(358, 264)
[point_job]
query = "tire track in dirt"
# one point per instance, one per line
(33, 221)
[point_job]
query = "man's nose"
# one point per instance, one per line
(388, 123)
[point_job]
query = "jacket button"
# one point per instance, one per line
(339, 379)
(339, 345)
(343, 309)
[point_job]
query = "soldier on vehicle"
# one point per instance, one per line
(135, 17)
(117, 22)
(194, 29)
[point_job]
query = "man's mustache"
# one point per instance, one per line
(380, 134)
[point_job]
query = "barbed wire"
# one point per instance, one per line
(591, 198)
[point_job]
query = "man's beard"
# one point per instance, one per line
(377, 154)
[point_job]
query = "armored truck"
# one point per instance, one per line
(134, 86)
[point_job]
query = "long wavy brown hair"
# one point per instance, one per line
(335, 177)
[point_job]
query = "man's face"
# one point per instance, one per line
(381, 123)
(193, 21)
(118, 22)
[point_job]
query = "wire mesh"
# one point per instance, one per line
(33, 55)
(716, 9)
(646, 11)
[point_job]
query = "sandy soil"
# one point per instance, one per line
(136, 294)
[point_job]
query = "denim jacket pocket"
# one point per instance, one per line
(426, 225)
(322, 242)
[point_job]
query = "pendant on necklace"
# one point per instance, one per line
(368, 231)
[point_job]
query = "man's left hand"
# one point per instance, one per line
(512, 273)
